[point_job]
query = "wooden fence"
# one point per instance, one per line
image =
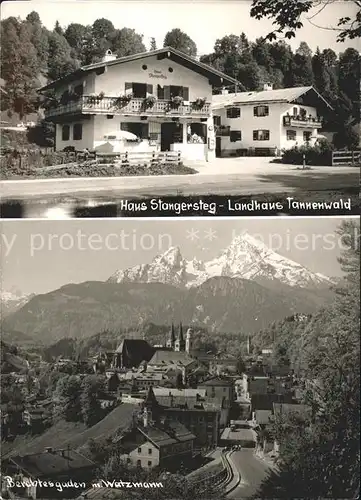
(345, 158)
(128, 157)
(62, 159)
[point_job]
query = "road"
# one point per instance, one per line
(252, 471)
(228, 181)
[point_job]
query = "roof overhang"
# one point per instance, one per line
(215, 77)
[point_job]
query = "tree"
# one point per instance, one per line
(60, 62)
(179, 40)
(287, 17)
(301, 66)
(321, 459)
(126, 42)
(349, 78)
(68, 391)
(90, 406)
(58, 29)
(153, 44)
(19, 68)
(240, 366)
(43, 134)
(75, 35)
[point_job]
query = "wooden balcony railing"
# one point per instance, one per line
(136, 106)
(307, 122)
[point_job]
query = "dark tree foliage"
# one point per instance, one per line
(287, 15)
(321, 458)
(179, 40)
(31, 55)
(43, 134)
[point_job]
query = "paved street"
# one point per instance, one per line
(223, 177)
(252, 472)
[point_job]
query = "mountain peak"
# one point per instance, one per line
(245, 257)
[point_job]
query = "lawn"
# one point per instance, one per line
(76, 435)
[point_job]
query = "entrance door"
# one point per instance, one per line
(171, 132)
(218, 146)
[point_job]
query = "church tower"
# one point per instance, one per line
(189, 341)
(179, 343)
(171, 339)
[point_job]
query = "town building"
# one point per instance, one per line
(154, 441)
(268, 121)
(162, 96)
(50, 466)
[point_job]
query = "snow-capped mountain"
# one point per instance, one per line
(246, 258)
(11, 301)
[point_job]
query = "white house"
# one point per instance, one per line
(265, 122)
(162, 96)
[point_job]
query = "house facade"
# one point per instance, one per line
(162, 96)
(266, 122)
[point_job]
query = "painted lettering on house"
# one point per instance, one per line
(157, 74)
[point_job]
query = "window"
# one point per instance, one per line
(149, 463)
(160, 92)
(217, 120)
(176, 91)
(307, 136)
(233, 112)
(235, 135)
(150, 451)
(139, 90)
(139, 463)
(65, 133)
(77, 132)
(139, 450)
(261, 135)
(261, 111)
(291, 135)
(140, 129)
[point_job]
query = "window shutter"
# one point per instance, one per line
(128, 87)
(166, 92)
(186, 93)
(149, 89)
(255, 135)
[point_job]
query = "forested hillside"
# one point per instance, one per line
(32, 55)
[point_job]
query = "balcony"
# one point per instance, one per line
(108, 106)
(303, 122)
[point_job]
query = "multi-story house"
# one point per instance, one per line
(162, 96)
(155, 441)
(266, 122)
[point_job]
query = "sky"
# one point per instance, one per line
(204, 21)
(38, 256)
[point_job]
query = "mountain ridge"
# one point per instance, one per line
(246, 258)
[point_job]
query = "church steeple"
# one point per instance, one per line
(171, 338)
(180, 343)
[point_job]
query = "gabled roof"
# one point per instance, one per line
(173, 432)
(172, 54)
(171, 357)
(51, 463)
(265, 96)
(217, 382)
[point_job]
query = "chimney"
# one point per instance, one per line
(268, 86)
(109, 56)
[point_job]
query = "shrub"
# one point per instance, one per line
(347, 137)
(320, 154)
